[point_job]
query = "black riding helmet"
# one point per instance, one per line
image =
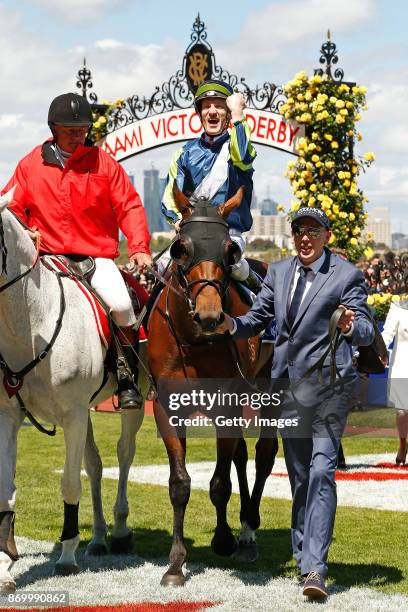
(70, 109)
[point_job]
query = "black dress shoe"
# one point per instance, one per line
(314, 586)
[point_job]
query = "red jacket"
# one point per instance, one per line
(80, 208)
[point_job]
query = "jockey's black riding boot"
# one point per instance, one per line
(253, 283)
(129, 396)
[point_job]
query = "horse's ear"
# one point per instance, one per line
(7, 198)
(182, 202)
(228, 206)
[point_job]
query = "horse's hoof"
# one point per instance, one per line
(224, 543)
(247, 552)
(66, 569)
(7, 587)
(175, 580)
(122, 546)
(96, 550)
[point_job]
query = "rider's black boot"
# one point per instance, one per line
(129, 396)
(253, 282)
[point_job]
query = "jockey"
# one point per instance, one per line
(217, 164)
(78, 197)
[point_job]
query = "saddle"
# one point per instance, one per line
(80, 269)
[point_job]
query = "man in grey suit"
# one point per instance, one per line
(302, 293)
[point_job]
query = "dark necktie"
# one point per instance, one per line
(297, 296)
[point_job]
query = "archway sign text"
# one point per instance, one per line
(268, 128)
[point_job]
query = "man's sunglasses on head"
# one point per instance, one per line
(310, 231)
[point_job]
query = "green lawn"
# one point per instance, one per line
(369, 547)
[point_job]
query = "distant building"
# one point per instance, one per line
(153, 188)
(271, 227)
(379, 224)
(268, 207)
(399, 239)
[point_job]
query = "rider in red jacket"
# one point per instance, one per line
(78, 197)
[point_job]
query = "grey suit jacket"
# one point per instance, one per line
(297, 349)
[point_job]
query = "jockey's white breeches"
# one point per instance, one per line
(109, 284)
(239, 271)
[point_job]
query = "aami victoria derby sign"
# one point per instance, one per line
(168, 115)
(267, 128)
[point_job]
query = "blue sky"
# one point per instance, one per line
(132, 46)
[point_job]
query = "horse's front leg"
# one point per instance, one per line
(75, 432)
(93, 466)
(9, 426)
(122, 537)
(223, 542)
(179, 490)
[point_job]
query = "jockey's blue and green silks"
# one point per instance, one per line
(195, 160)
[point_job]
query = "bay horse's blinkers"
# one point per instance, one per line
(204, 236)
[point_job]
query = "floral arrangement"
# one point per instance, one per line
(380, 303)
(100, 120)
(325, 173)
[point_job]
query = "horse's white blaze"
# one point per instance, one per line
(68, 552)
(7, 584)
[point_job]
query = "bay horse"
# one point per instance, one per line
(183, 345)
(47, 326)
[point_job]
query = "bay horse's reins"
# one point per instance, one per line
(14, 380)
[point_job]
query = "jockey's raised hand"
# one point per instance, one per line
(141, 260)
(236, 105)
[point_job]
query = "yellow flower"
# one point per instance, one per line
(344, 112)
(294, 205)
(329, 164)
(341, 174)
(356, 231)
(334, 144)
(336, 209)
(328, 137)
(368, 252)
(369, 156)
(311, 147)
(352, 216)
(357, 117)
(339, 104)
(339, 119)
(97, 125)
(395, 298)
(353, 241)
(280, 208)
(102, 119)
(315, 158)
(333, 99)
(332, 238)
(313, 187)
(312, 201)
(370, 299)
(359, 136)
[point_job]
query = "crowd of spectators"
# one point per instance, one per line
(388, 274)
